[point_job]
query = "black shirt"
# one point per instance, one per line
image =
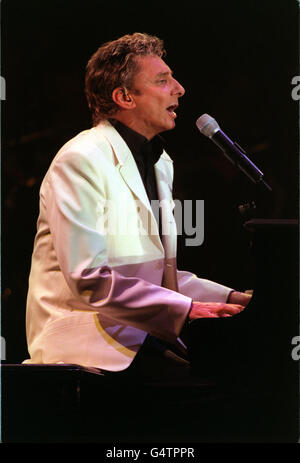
(146, 153)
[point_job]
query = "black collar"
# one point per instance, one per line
(139, 145)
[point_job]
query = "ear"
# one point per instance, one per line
(123, 98)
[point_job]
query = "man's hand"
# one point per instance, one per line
(236, 302)
(213, 310)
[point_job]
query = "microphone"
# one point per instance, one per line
(210, 128)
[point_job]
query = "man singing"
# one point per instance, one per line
(108, 294)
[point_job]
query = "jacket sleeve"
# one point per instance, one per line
(200, 289)
(73, 193)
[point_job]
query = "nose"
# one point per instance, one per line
(178, 88)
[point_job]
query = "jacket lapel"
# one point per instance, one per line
(131, 176)
(164, 177)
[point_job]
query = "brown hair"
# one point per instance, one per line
(114, 65)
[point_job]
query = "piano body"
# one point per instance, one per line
(251, 353)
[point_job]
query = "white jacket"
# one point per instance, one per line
(99, 281)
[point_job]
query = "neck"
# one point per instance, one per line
(133, 124)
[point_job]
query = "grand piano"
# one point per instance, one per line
(251, 354)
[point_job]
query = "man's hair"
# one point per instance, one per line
(114, 65)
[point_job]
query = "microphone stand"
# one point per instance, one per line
(248, 209)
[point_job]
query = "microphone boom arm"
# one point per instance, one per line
(236, 155)
(241, 161)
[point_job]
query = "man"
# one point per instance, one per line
(103, 280)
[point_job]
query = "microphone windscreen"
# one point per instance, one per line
(207, 125)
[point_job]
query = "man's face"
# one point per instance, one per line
(156, 94)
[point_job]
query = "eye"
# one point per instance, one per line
(162, 81)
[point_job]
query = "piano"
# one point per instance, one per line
(250, 354)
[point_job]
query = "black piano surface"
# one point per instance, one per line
(253, 350)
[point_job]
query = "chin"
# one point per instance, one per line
(166, 127)
(170, 126)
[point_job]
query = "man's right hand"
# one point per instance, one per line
(213, 310)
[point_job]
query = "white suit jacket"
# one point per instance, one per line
(99, 280)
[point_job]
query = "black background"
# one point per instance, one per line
(236, 61)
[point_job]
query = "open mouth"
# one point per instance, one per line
(171, 110)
